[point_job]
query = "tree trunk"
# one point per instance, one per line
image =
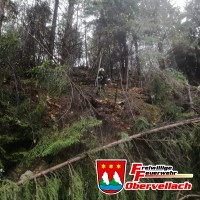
(86, 49)
(70, 12)
(2, 6)
(53, 29)
(110, 63)
(123, 55)
(172, 54)
(161, 60)
(138, 68)
(113, 144)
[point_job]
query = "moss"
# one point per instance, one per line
(151, 112)
(172, 112)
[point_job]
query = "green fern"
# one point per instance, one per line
(9, 190)
(179, 76)
(77, 187)
(151, 195)
(27, 190)
(128, 145)
(172, 112)
(123, 195)
(141, 124)
(51, 77)
(159, 90)
(55, 142)
(40, 192)
(140, 194)
(100, 196)
(52, 188)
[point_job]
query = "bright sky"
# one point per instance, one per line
(179, 3)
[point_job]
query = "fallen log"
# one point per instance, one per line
(84, 155)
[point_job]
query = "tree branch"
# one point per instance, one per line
(84, 155)
(190, 195)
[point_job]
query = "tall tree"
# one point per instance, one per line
(2, 6)
(53, 29)
(156, 20)
(113, 29)
(67, 31)
(187, 46)
(36, 34)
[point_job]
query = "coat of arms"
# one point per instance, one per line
(110, 175)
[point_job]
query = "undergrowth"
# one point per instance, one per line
(78, 181)
(57, 141)
(51, 77)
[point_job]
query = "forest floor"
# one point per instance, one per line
(121, 111)
(118, 108)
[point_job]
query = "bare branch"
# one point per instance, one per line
(190, 195)
(84, 155)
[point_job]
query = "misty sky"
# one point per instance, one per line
(179, 3)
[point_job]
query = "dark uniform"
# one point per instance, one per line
(102, 80)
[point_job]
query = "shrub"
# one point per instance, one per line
(172, 112)
(141, 124)
(159, 90)
(178, 76)
(57, 141)
(51, 77)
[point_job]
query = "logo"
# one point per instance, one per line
(110, 175)
(140, 171)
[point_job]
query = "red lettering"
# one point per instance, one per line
(154, 186)
(138, 175)
(129, 185)
(181, 186)
(148, 186)
(143, 186)
(188, 186)
(161, 186)
(136, 186)
(174, 186)
(168, 185)
(135, 167)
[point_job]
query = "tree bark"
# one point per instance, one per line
(138, 67)
(161, 60)
(98, 149)
(2, 6)
(53, 29)
(189, 196)
(70, 12)
(86, 49)
(121, 37)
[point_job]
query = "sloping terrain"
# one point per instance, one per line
(44, 130)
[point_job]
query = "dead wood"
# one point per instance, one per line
(84, 155)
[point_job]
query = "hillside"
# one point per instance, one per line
(45, 129)
(98, 79)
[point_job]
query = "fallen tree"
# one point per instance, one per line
(84, 155)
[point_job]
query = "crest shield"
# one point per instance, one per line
(110, 175)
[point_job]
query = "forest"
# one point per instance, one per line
(57, 116)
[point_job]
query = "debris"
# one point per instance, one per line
(27, 175)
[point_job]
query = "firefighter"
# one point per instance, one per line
(102, 80)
